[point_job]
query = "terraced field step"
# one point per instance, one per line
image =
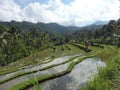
(81, 47)
(26, 62)
(15, 69)
(53, 70)
(44, 77)
(54, 63)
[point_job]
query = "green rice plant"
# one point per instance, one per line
(68, 47)
(34, 81)
(82, 48)
(9, 70)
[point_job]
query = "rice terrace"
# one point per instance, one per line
(59, 45)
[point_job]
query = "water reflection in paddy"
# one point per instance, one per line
(81, 73)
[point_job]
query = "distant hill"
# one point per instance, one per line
(52, 27)
(85, 32)
(100, 23)
(90, 28)
(94, 26)
(49, 27)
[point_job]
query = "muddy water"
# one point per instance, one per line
(56, 69)
(55, 61)
(78, 77)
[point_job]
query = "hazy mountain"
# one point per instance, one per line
(52, 27)
(49, 27)
(90, 27)
(100, 22)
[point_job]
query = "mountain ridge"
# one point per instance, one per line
(51, 27)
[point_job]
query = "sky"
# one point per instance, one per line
(64, 12)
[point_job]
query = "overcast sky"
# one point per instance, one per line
(64, 12)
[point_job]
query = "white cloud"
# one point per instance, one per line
(9, 10)
(78, 12)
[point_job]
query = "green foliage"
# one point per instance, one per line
(16, 44)
(41, 55)
(107, 34)
(108, 53)
(102, 81)
(35, 83)
(83, 48)
(27, 39)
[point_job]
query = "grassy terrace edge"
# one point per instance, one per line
(14, 69)
(108, 77)
(25, 73)
(82, 48)
(18, 68)
(26, 84)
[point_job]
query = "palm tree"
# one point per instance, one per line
(3, 44)
(3, 41)
(116, 33)
(14, 32)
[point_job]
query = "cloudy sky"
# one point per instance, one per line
(64, 12)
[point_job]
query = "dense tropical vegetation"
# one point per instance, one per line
(16, 44)
(108, 34)
(28, 42)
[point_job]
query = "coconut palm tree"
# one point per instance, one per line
(3, 44)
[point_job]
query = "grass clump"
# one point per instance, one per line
(34, 81)
(9, 70)
(68, 48)
(81, 47)
(102, 81)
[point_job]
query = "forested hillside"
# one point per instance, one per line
(19, 40)
(109, 34)
(16, 43)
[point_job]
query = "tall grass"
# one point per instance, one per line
(35, 83)
(103, 80)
